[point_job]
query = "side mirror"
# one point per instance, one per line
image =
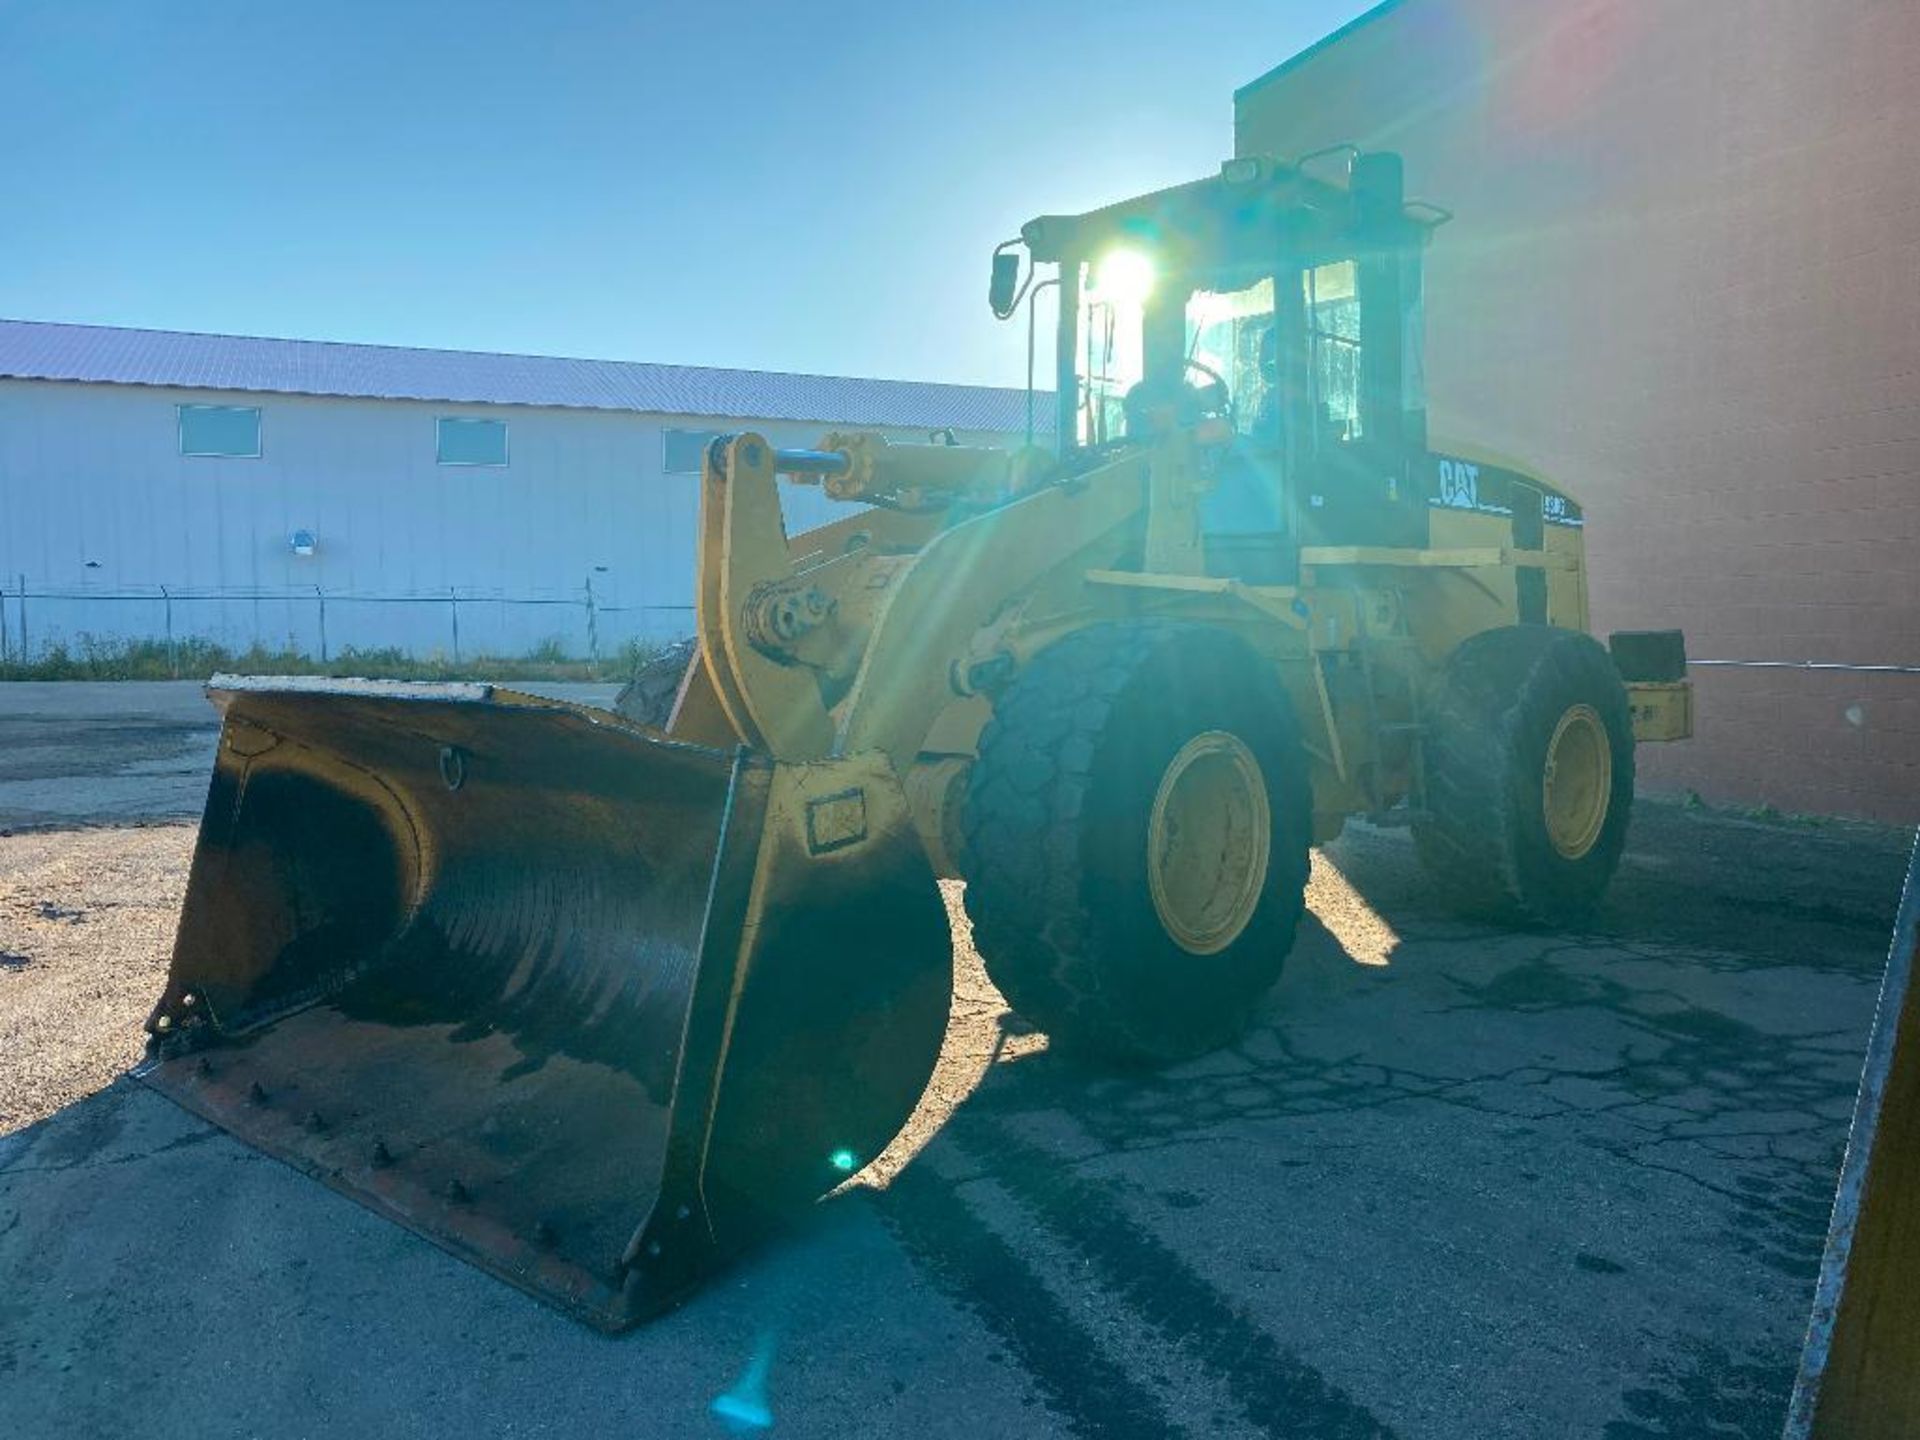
(1001, 288)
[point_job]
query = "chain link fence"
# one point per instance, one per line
(458, 623)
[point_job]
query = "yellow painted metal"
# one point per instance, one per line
(1333, 616)
(1329, 719)
(1208, 840)
(743, 543)
(1577, 786)
(1488, 557)
(1567, 580)
(888, 632)
(1188, 584)
(1174, 487)
(956, 728)
(887, 532)
(1661, 710)
(936, 791)
(1275, 601)
(697, 714)
(1456, 603)
(820, 616)
(1493, 459)
(959, 584)
(914, 475)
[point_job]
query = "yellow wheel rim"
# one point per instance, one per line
(1208, 842)
(1577, 787)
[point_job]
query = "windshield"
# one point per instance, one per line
(1230, 333)
(1227, 333)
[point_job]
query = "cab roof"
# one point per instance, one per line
(1229, 215)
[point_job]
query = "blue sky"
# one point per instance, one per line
(741, 182)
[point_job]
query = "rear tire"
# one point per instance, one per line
(1137, 830)
(1505, 832)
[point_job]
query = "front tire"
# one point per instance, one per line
(1529, 776)
(1137, 829)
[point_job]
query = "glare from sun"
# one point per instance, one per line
(1124, 277)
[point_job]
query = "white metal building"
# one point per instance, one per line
(317, 496)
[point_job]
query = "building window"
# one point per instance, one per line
(231, 430)
(682, 451)
(472, 442)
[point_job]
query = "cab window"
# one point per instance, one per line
(1110, 350)
(1333, 341)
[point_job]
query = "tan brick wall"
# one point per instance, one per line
(1824, 743)
(1684, 281)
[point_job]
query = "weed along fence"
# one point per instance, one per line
(169, 627)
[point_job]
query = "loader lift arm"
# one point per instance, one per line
(772, 625)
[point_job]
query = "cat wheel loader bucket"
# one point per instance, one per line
(585, 1005)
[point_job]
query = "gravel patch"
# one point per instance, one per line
(86, 926)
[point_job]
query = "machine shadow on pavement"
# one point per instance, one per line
(1457, 1180)
(1449, 1159)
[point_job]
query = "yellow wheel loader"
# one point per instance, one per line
(596, 999)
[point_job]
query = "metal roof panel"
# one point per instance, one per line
(110, 355)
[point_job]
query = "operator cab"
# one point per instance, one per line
(1284, 309)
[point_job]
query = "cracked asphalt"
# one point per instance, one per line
(1457, 1182)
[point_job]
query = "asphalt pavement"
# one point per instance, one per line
(1457, 1182)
